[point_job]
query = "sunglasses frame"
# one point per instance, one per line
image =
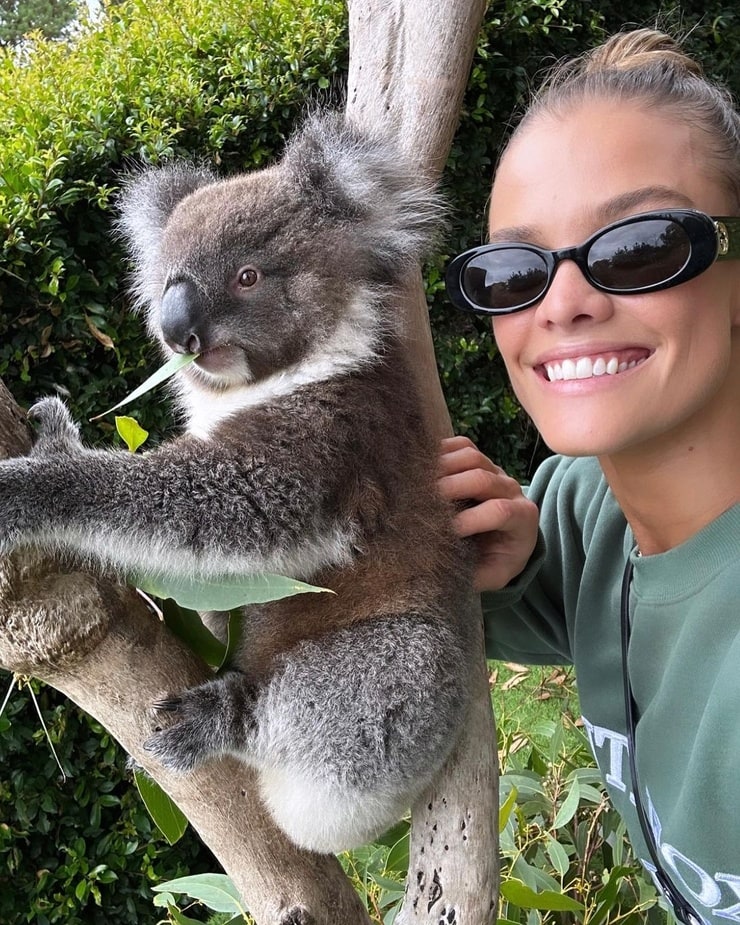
(710, 238)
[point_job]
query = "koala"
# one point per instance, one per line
(305, 453)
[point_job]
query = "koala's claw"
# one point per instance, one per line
(173, 747)
(57, 431)
(169, 705)
(296, 915)
(190, 734)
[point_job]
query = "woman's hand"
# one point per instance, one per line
(502, 521)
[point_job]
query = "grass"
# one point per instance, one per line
(525, 695)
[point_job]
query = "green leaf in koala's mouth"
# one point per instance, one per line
(173, 365)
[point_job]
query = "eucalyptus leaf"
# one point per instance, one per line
(518, 893)
(188, 626)
(569, 805)
(173, 365)
(398, 856)
(224, 592)
(131, 432)
(213, 890)
(607, 895)
(179, 918)
(558, 855)
(170, 820)
(234, 630)
(506, 808)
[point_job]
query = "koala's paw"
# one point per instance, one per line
(296, 915)
(193, 728)
(57, 432)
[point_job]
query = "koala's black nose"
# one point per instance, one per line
(181, 317)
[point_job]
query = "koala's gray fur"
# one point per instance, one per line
(305, 454)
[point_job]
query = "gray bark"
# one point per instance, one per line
(408, 74)
(98, 642)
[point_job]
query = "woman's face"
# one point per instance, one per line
(562, 178)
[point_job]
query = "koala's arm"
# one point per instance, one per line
(190, 508)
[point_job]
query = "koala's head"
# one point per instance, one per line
(257, 272)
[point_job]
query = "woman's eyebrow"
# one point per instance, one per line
(620, 206)
(515, 233)
(638, 199)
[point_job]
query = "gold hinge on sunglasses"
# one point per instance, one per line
(723, 239)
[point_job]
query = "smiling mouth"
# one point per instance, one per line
(590, 367)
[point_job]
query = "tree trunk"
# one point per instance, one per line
(99, 643)
(409, 63)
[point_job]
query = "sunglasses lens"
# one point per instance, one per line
(504, 279)
(639, 254)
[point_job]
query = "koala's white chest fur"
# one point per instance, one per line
(352, 343)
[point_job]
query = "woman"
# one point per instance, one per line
(625, 352)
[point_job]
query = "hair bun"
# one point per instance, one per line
(638, 49)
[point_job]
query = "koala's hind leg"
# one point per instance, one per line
(346, 733)
(354, 726)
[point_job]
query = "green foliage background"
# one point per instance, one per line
(220, 81)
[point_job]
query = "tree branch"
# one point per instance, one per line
(409, 63)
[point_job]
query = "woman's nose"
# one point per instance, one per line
(571, 299)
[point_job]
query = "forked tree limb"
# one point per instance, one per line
(101, 645)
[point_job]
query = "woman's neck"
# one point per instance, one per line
(672, 489)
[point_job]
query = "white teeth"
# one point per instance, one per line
(585, 368)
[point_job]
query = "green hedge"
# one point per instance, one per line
(78, 848)
(223, 82)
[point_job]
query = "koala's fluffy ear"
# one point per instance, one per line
(365, 179)
(145, 203)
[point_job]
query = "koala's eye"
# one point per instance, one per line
(247, 277)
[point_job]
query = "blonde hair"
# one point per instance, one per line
(651, 68)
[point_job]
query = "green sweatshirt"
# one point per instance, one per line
(684, 666)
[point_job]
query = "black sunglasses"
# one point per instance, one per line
(642, 253)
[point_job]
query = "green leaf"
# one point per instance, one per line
(170, 821)
(131, 432)
(385, 883)
(569, 805)
(398, 856)
(607, 895)
(188, 626)
(225, 592)
(173, 365)
(233, 636)
(518, 893)
(167, 901)
(506, 808)
(214, 890)
(558, 856)
(179, 918)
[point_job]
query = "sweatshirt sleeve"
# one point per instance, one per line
(529, 620)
